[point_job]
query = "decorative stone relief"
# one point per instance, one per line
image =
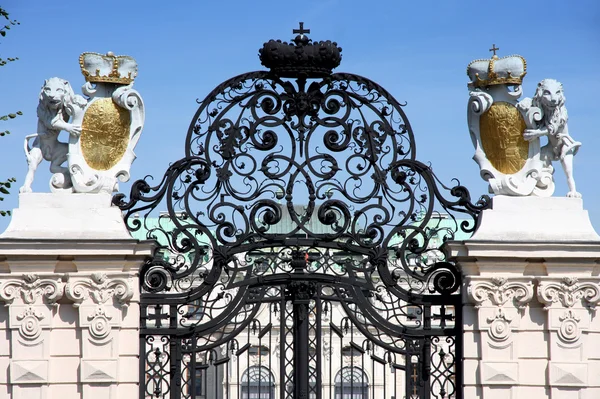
(569, 330)
(568, 373)
(568, 292)
(506, 133)
(103, 129)
(99, 323)
(30, 318)
(499, 330)
(29, 371)
(100, 289)
(507, 161)
(499, 290)
(499, 373)
(547, 116)
(31, 287)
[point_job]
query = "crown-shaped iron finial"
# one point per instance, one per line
(302, 57)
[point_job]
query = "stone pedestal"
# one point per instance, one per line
(532, 285)
(68, 279)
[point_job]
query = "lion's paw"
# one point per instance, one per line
(573, 194)
(24, 190)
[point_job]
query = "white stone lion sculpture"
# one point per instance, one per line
(550, 100)
(57, 104)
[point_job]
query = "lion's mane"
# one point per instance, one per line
(555, 118)
(48, 116)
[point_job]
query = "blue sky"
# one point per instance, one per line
(418, 51)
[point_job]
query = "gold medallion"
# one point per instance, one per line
(104, 134)
(501, 132)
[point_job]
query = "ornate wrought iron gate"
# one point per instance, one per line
(299, 256)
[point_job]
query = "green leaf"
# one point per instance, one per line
(4, 191)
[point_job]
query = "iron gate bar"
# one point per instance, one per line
(299, 194)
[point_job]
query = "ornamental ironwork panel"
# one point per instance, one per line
(299, 244)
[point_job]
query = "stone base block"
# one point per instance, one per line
(531, 219)
(66, 216)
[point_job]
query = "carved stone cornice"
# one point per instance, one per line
(569, 291)
(99, 288)
(30, 287)
(500, 290)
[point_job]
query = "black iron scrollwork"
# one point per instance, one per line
(299, 174)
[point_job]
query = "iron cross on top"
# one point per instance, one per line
(301, 31)
(494, 48)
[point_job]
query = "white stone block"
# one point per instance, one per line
(65, 391)
(64, 370)
(25, 349)
(94, 349)
(28, 371)
(567, 393)
(471, 345)
(30, 392)
(534, 319)
(533, 344)
(4, 366)
(552, 219)
(66, 216)
(131, 316)
(65, 317)
(560, 351)
(129, 369)
(499, 373)
(533, 372)
(532, 392)
(65, 342)
(128, 391)
(568, 374)
(4, 343)
(590, 393)
(129, 342)
(498, 392)
(94, 371)
(100, 390)
(593, 349)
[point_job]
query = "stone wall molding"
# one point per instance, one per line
(569, 292)
(499, 290)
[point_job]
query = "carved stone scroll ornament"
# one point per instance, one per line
(499, 290)
(30, 288)
(103, 129)
(510, 164)
(569, 292)
(100, 288)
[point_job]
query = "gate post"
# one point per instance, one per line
(301, 294)
(68, 278)
(531, 285)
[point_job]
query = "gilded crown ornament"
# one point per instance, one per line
(302, 56)
(104, 127)
(506, 133)
(108, 68)
(508, 70)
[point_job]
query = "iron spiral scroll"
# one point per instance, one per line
(299, 191)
